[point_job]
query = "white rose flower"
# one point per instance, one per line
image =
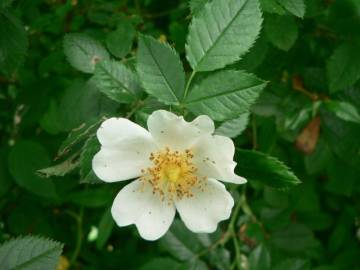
(177, 165)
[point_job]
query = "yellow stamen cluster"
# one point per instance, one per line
(173, 174)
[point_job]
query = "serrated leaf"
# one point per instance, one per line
(84, 52)
(296, 7)
(282, 31)
(23, 167)
(344, 110)
(13, 42)
(116, 81)
(30, 253)
(119, 42)
(257, 166)
(343, 67)
(234, 127)
(225, 94)
(222, 32)
(160, 70)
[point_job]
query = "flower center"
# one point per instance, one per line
(173, 174)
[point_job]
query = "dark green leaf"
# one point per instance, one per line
(343, 67)
(23, 167)
(344, 110)
(119, 42)
(13, 42)
(106, 226)
(276, 26)
(296, 7)
(260, 258)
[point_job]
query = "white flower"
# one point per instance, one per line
(177, 165)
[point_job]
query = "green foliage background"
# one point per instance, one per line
(67, 65)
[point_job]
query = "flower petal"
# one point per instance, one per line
(202, 212)
(125, 150)
(213, 157)
(136, 204)
(170, 130)
(114, 130)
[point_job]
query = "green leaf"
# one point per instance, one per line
(234, 127)
(116, 81)
(94, 197)
(23, 167)
(83, 52)
(90, 148)
(296, 7)
(268, 170)
(222, 32)
(5, 3)
(30, 253)
(196, 5)
(275, 28)
(295, 238)
(344, 110)
(343, 67)
(13, 42)
(106, 226)
(78, 135)
(60, 169)
(293, 264)
(160, 70)
(119, 42)
(225, 94)
(260, 258)
(271, 6)
(5, 178)
(161, 263)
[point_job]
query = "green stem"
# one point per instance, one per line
(189, 83)
(79, 236)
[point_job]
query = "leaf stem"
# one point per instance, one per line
(192, 75)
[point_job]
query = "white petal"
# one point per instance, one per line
(213, 157)
(125, 150)
(136, 204)
(202, 212)
(173, 131)
(115, 130)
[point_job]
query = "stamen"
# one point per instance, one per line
(173, 174)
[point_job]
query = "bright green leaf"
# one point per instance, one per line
(234, 127)
(197, 5)
(84, 52)
(222, 32)
(160, 70)
(116, 81)
(256, 166)
(344, 110)
(225, 95)
(30, 253)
